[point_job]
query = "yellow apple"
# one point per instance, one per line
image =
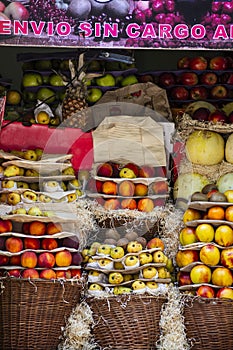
(131, 260)
(138, 285)
(134, 247)
(229, 195)
(145, 258)
(115, 278)
(13, 198)
(11, 170)
(117, 252)
(159, 257)
(30, 155)
(104, 249)
(149, 272)
(95, 286)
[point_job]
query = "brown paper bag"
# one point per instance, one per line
(126, 138)
(144, 94)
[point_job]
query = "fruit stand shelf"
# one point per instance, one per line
(52, 140)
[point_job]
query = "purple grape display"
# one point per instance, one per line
(46, 10)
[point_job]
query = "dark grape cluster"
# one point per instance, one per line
(104, 18)
(46, 10)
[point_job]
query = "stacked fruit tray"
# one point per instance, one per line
(128, 186)
(38, 248)
(205, 255)
(31, 177)
(132, 267)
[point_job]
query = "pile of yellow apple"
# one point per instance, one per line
(205, 257)
(129, 186)
(40, 250)
(24, 184)
(133, 267)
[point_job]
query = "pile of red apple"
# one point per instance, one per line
(200, 79)
(40, 250)
(205, 255)
(136, 266)
(129, 186)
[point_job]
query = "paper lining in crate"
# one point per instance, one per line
(212, 172)
(33, 312)
(127, 321)
(209, 323)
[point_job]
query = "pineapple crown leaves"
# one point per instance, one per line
(78, 74)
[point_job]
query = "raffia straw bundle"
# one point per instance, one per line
(172, 328)
(185, 125)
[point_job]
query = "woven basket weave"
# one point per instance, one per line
(32, 313)
(126, 322)
(209, 323)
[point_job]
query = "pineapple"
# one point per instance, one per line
(74, 104)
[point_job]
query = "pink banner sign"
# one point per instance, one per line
(175, 24)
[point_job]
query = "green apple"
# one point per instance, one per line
(28, 65)
(19, 211)
(35, 211)
(45, 79)
(43, 65)
(56, 80)
(129, 80)
(29, 96)
(46, 94)
(106, 80)
(32, 79)
(121, 290)
(94, 66)
(93, 95)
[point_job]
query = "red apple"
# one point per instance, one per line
(218, 63)
(167, 79)
(201, 114)
(188, 78)
(227, 78)
(209, 78)
(205, 292)
(198, 63)
(133, 167)
(230, 118)
(16, 11)
(70, 242)
(183, 278)
(219, 92)
(217, 116)
(105, 170)
(183, 62)
(198, 93)
(222, 277)
(146, 171)
(14, 273)
(225, 292)
(160, 171)
(145, 78)
(76, 259)
(4, 260)
(227, 257)
(160, 187)
(179, 93)
(2, 6)
(228, 7)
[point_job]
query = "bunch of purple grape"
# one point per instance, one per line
(46, 10)
(158, 11)
(220, 13)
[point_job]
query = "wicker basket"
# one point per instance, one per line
(127, 322)
(209, 323)
(33, 312)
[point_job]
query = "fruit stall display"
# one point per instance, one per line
(118, 230)
(201, 79)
